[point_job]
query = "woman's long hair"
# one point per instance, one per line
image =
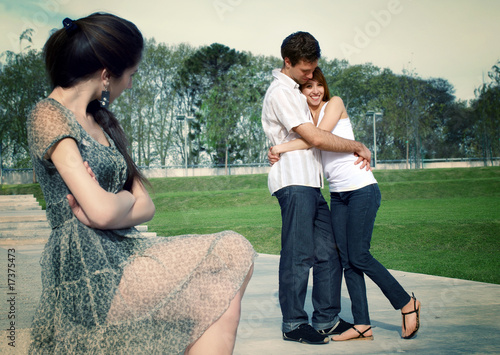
(77, 51)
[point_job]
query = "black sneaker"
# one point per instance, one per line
(306, 334)
(338, 328)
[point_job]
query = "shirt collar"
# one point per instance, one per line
(285, 79)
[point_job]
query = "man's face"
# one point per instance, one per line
(301, 72)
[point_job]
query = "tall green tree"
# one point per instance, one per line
(354, 84)
(408, 107)
(206, 77)
(255, 80)
(150, 108)
(458, 134)
(486, 108)
(438, 100)
(22, 84)
(233, 116)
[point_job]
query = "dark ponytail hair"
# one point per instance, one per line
(81, 48)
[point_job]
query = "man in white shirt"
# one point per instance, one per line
(296, 181)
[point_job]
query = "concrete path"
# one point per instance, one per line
(458, 316)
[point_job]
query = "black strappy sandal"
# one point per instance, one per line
(415, 310)
(361, 335)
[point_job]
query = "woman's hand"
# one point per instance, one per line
(78, 211)
(75, 206)
(273, 156)
(364, 163)
(91, 173)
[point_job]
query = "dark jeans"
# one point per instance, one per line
(353, 217)
(307, 241)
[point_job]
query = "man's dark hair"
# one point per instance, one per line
(300, 46)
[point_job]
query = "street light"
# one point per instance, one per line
(1, 164)
(186, 119)
(374, 115)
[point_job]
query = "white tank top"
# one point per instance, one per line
(339, 168)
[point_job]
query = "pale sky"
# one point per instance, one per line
(452, 39)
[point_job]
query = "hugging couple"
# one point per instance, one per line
(312, 138)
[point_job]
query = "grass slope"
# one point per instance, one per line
(438, 221)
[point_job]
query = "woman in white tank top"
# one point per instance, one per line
(355, 199)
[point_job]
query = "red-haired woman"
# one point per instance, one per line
(355, 199)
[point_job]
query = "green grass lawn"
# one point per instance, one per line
(442, 222)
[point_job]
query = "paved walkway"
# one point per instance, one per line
(458, 317)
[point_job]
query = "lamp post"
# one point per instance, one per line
(1, 164)
(374, 115)
(186, 119)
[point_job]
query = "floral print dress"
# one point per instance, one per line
(117, 291)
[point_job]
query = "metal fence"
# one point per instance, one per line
(25, 176)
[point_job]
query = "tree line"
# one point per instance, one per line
(204, 105)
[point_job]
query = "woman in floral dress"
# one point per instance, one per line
(106, 287)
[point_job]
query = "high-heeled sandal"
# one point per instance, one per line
(415, 310)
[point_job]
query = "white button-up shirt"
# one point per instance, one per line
(285, 108)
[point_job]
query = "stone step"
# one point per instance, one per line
(23, 201)
(18, 203)
(40, 232)
(45, 225)
(142, 228)
(18, 242)
(26, 233)
(22, 219)
(19, 206)
(25, 225)
(149, 234)
(16, 197)
(22, 216)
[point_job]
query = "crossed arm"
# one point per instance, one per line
(91, 204)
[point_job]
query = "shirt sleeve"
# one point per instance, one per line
(47, 124)
(290, 107)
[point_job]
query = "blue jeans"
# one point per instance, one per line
(307, 242)
(353, 217)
